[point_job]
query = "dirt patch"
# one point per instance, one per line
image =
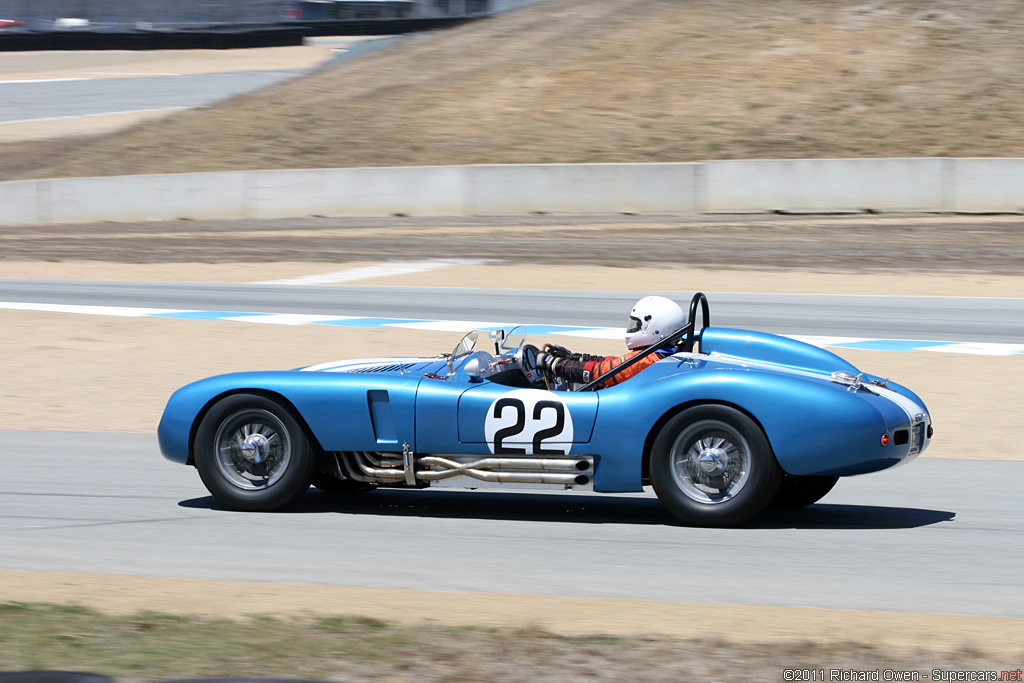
(866, 244)
(152, 646)
(97, 373)
(125, 594)
(620, 81)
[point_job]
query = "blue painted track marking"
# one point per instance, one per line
(540, 330)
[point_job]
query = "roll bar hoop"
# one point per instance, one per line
(698, 298)
(685, 333)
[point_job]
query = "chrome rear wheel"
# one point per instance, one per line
(710, 462)
(711, 465)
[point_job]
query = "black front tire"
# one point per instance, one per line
(252, 454)
(712, 466)
(799, 492)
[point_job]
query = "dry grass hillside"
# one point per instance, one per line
(617, 81)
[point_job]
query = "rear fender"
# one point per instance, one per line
(671, 413)
(812, 425)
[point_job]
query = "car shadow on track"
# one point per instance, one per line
(828, 516)
(582, 509)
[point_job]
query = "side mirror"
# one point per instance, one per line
(498, 336)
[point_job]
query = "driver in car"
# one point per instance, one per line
(652, 319)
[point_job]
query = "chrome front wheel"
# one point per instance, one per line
(253, 448)
(252, 454)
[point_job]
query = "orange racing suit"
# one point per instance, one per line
(584, 367)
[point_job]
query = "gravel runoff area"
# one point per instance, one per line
(889, 244)
(64, 359)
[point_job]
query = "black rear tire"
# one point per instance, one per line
(712, 466)
(252, 454)
(799, 492)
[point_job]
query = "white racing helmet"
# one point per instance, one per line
(652, 319)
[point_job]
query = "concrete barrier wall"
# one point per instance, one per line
(19, 202)
(802, 185)
(816, 185)
(411, 191)
(989, 186)
(133, 199)
(582, 188)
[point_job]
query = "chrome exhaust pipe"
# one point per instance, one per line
(558, 471)
(383, 459)
(553, 464)
(509, 477)
(360, 471)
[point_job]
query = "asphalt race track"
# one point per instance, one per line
(933, 536)
(937, 318)
(26, 101)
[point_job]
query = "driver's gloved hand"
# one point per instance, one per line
(545, 361)
(557, 351)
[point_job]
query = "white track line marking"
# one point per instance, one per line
(596, 333)
(901, 345)
(450, 325)
(282, 318)
(366, 272)
(119, 311)
(91, 116)
(46, 80)
(125, 73)
(827, 341)
(976, 348)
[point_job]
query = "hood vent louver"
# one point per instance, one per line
(393, 367)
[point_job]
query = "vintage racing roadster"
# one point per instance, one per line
(734, 422)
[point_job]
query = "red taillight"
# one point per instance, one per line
(885, 439)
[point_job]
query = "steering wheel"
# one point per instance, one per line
(526, 356)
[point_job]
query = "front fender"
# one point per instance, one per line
(343, 411)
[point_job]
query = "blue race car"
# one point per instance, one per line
(734, 422)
